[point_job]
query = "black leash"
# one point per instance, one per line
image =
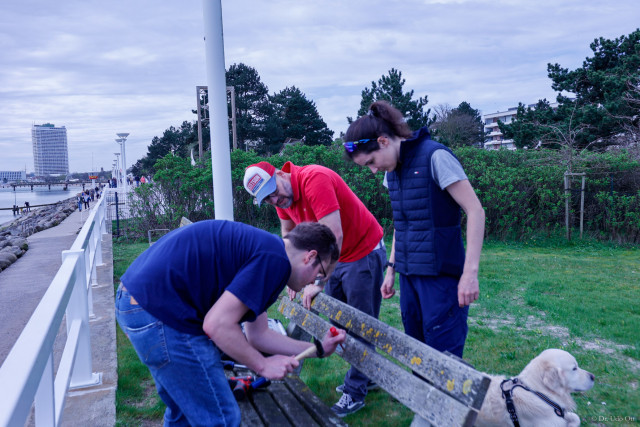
(511, 408)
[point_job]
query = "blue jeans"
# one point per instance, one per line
(187, 369)
(430, 312)
(358, 284)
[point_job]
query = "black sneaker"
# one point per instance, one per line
(370, 387)
(346, 405)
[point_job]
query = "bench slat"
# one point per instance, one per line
(312, 403)
(447, 374)
(249, 416)
(296, 413)
(418, 395)
(268, 409)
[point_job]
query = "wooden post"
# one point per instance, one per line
(567, 196)
(200, 90)
(567, 192)
(582, 205)
(232, 94)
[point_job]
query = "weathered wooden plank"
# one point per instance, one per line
(249, 416)
(296, 332)
(446, 373)
(320, 412)
(291, 406)
(418, 395)
(267, 408)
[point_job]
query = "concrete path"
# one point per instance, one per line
(21, 288)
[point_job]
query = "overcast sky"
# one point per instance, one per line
(103, 67)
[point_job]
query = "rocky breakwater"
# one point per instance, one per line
(13, 236)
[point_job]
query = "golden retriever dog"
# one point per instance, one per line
(555, 374)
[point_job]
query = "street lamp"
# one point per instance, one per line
(122, 138)
(118, 173)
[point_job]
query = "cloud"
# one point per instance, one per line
(99, 68)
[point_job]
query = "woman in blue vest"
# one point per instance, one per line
(428, 188)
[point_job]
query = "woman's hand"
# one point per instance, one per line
(468, 289)
(387, 285)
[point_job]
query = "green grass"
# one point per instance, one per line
(582, 297)
(136, 398)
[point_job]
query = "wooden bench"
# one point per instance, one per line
(284, 403)
(447, 392)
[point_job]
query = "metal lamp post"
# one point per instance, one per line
(118, 173)
(122, 138)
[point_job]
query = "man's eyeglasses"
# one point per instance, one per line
(350, 146)
(324, 273)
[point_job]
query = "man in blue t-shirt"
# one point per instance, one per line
(182, 301)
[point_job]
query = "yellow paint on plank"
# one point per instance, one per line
(466, 386)
(338, 315)
(450, 384)
(415, 360)
(348, 325)
(305, 319)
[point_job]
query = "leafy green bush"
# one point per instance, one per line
(177, 190)
(522, 191)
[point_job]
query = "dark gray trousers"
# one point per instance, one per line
(358, 284)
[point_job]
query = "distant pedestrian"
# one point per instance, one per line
(143, 179)
(79, 200)
(27, 207)
(87, 198)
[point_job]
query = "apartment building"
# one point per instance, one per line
(12, 176)
(494, 139)
(50, 152)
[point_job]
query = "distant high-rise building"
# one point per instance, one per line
(50, 152)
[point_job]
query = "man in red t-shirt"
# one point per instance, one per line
(318, 194)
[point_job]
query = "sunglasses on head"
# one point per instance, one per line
(350, 146)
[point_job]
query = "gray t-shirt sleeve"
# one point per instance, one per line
(446, 169)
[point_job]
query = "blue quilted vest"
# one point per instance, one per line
(426, 219)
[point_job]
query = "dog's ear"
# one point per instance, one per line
(553, 377)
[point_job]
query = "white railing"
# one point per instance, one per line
(27, 374)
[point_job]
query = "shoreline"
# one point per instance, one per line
(32, 209)
(14, 234)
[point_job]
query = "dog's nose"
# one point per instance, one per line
(593, 378)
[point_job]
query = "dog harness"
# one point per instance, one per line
(511, 408)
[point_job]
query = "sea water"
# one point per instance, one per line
(39, 196)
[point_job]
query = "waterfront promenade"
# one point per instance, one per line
(23, 284)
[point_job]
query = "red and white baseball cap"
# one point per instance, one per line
(260, 180)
